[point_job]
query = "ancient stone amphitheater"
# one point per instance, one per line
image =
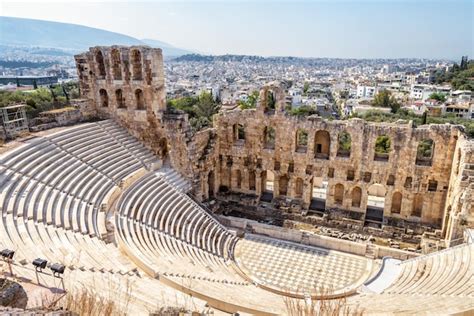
(117, 201)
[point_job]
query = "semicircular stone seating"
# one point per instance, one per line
(56, 191)
(52, 193)
(440, 281)
(161, 226)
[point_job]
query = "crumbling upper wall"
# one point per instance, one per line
(419, 185)
(244, 149)
(460, 198)
(123, 81)
(127, 84)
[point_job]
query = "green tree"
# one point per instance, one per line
(251, 101)
(385, 99)
(306, 87)
(271, 102)
(382, 144)
(303, 110)
(441, 97)
(206, 106)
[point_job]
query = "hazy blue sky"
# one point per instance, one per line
(298, 28)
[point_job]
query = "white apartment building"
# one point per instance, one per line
(295, 94)
(366, 91)
(423, 91)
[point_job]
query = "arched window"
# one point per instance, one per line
(424, 152)
(139, 99)
(396, 203)
(344, 144)
(239, 133)
(283, 185)
(391, 180)
(267, 185)
(318, 194)
(99, 59)
(210, 184)
(269, 137)
(252, 180)
(322, 144)
(382, 148)
(104, 98)
(119, 99)
(270, 101)
(338, 194)
(238, 179)
(116, 64)
(356, 196)
(299, 188)
(417, 208)
(301, 140)
(136, 61)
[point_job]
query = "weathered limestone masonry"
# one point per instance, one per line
(268, 155)
(459, 210)
(127, 84)
(415, 190)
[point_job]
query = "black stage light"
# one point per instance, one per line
(40, 264)
(7, 254)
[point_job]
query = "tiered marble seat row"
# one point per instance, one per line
(155, 218)
(51, 194)
(434, 284)
(449, 272)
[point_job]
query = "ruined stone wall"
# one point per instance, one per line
(459, 208)
(127, 85)
(246, 148)
(419, 182)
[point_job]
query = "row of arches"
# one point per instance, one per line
(117, 64)
(120, 100)
(322, 144)
(375, 202)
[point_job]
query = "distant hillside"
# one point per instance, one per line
(70, 37)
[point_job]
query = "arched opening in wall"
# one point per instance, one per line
(139, 99)
(238, 179)
(252, 182)
(375, 205)
(417, 208)
(239, 134)
(322, 143)
(136, 60)
(318, 194)
(396, 203)
(267, 186)
(119, 99)
(299, 188)
(210, 184)
(424, 152)
(391, 180)
(270, 101)
(269, 137)
(224, 181)
(99, 59)
(104, 98)
(301, 141)
(382, 148)
(356, 196)
(432, 185)
(344, 144)
(116, 64)
(163, 148)
(338, 194)
(283, 185)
